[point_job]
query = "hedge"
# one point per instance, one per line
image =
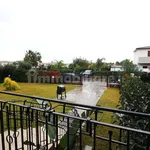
(135, 96)
(19, 72)
(107, 73)
(145, 77)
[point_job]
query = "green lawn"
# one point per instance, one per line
(36, 89)
(109, 99)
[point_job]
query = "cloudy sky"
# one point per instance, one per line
(66, 29)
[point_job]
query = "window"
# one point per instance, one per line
(148, 53)
(144, 67)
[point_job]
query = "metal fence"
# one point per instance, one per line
(56, 124)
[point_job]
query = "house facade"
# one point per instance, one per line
(142, 58)
(116, 68)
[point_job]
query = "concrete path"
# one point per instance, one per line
(89, 93)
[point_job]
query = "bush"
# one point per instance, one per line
(107, 73)
(135, 96)
(145, 77)
(10, 84)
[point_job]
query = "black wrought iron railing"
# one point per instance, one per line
(48, 124)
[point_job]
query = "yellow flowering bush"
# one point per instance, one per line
(10, 84)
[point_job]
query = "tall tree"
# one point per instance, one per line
(32, 57)
(79, 64)
(99, 64)
(129, 67)
(56, 64)
(118, 63)
(60, 64)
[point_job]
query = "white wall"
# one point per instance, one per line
(140, 53)
(116, 68)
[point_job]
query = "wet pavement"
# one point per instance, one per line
(89, 93)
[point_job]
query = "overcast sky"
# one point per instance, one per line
(66, 29)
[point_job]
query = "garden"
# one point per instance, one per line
(133, 95)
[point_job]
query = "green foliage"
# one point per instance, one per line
(56, 65)
(79, 64)
(32, 57)
(8, 70)
(66, 70)
(107, 73)
(17, 71)
(129, 67)
(135, 96)
(23, 65)
(1, 72)
(99, 63)
(20, 71)
(42, 67)
(145, 77)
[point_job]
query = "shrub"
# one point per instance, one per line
(107, 73)
(10, 84)
(135, 96)
(145, 77)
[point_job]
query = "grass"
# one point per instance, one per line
(109, 99)
(34, 89)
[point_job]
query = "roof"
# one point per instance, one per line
(116, 66)
(142, 48)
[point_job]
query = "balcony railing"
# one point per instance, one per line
(144, 60)
(57, 124)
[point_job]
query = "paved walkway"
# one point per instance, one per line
(89, 93)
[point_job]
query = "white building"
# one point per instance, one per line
(3, 63)
(142, 58)
(45, 64)
(116, 68)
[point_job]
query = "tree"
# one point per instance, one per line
(42, 67)
(105, 67)
(56, 65)
(33, 58)
(129, 67)
(118, 63)
(99, 63)
(60, 64)
(79, 64)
